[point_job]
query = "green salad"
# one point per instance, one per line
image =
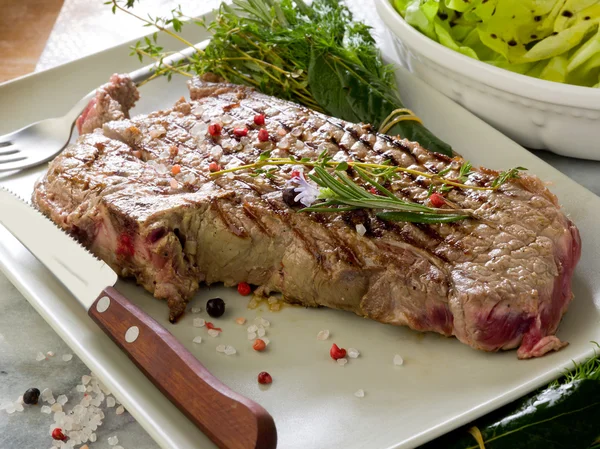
(555, 40)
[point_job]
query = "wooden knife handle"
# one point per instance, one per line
(230, 420)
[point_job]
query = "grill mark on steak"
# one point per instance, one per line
(284, 216)
(247, 208)
(520, 251)
(238, 232)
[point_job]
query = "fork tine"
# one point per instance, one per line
(11, 158)
(16, 164)
(4, 143)
(9, 150)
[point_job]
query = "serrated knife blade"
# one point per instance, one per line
(230, 420)
(81, 273)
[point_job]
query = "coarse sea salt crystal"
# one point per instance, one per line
(266, 340)
(213, 333)
(284, 143)
(199, 129)
(252, 328)
(261, 332)
(342, 362)
(230, 350)
(45, 409)
(353, 353)
(221, 348)
(398, 361)
(62, 399)
(110, 401)
(199, 322)
(113, 440)
(360, 229)
(251, 335)
(216, 152)
(197, 339)
(10, 409)
(228, 143)
(40, 356)
(51, 401)
(67, 357)
(85, 379)
(323, 335)
(189, 178)
(265, 323)
(157, 131)
(50, 354)
(93, 438)
(18, 406)
(196, 310)
(120, 410)
(240, 320)
(56, 408)
(46, 393)
(174, 184)
(360, 393)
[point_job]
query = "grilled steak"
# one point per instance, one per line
(111, 102)
(498, 281)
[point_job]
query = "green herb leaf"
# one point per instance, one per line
(465, 171)
(416, 217)
(264, 155)
(504, 176)
(342, 166)
(445, 171)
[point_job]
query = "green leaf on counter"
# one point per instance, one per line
(566, 414)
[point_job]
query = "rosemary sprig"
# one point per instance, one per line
(340, 193)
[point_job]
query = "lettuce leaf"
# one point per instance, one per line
(556, 40)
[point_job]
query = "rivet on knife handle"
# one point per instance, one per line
(227, 418)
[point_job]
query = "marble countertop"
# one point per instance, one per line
(23, 333)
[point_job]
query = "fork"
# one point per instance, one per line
(41, 141)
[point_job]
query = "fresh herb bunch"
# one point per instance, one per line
(315, 55)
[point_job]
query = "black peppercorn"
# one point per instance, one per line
(215, 307)
(31, 396)
(289, 197)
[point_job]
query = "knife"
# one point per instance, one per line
(230, 420)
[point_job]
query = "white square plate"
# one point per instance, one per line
(443, 383)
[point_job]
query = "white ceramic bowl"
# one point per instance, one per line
(538, 114)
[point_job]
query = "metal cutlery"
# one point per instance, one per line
(39, 142)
